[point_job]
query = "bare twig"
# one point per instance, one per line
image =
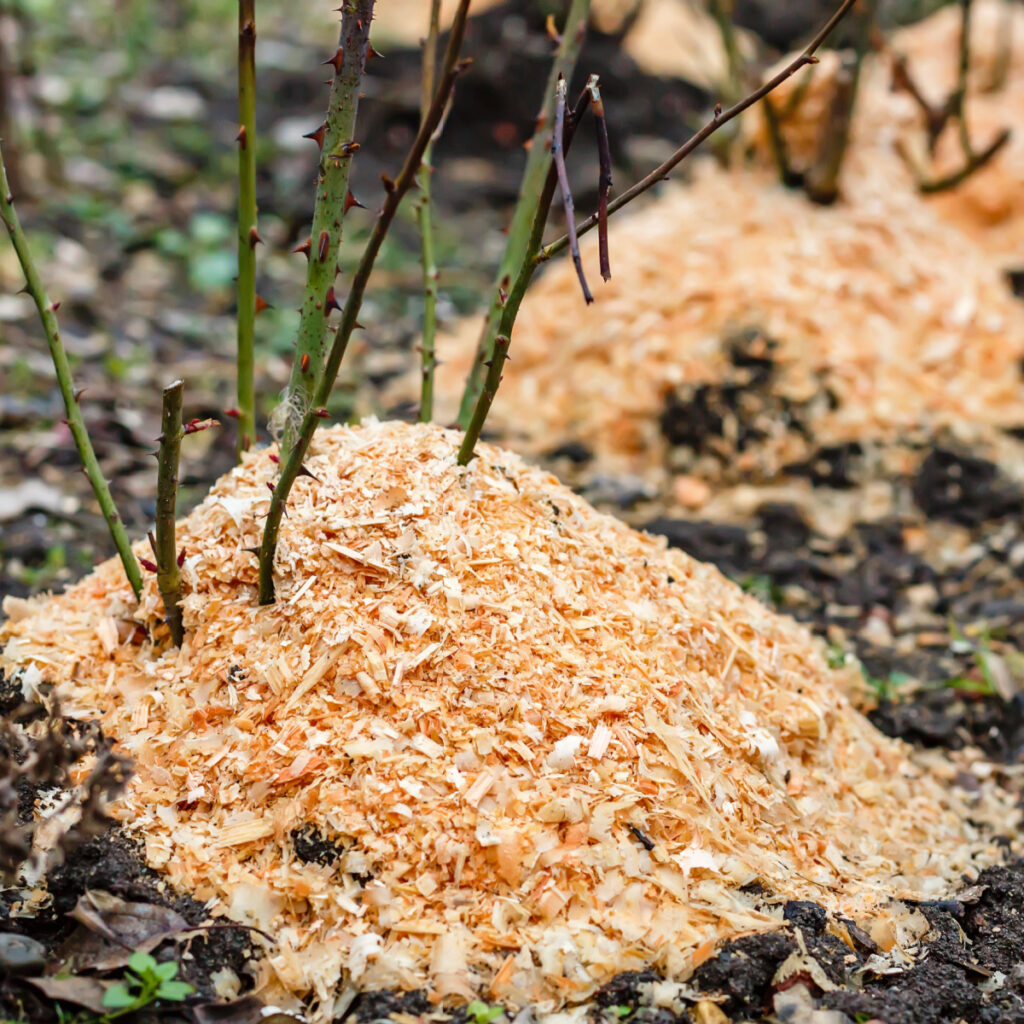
(604, 157)
(937, 118)
(247, 232)
(558, 155)
(976, 159)
(534, 254)
(168, 577)
(720, 117)
(337, 147)
(294, 455)
(538, 162)
(47, 314)
(428, 358)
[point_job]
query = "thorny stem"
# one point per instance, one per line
(513, 300)
(293, 456)
(427, 349)
(47, 314)
(720, 117)
(538, 160)
(168, 577)
(337, 147)
(247, 233)
(558, 156)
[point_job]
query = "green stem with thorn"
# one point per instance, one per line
(427, 348)
(293, 456)
(168, 577)
(247, 233)
(538, 161)
(337, 147)
(47, 314)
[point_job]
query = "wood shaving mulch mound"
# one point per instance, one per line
(878, 320)
(520, 746)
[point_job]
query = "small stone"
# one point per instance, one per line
(707, 1012)
(691, 491)
(20, 954)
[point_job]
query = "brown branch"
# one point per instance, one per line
(974, 162)
(558, 156)
(168, 578)
(720, 118)
(604, 156)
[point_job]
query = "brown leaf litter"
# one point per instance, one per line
(557, 749)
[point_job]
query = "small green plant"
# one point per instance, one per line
(763, 587)
(836, 656)
(145, 982)
(622, 1011)
(479, 1012)
(885, 687)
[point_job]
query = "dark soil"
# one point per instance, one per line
(872, 590)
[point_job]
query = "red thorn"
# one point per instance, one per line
(181, 558)
(197, 425)
(254, 238)
(318, 135)
(502, 296)
(388, 183)
(64, 420)
(337, 60)
(306, 248)
(54, 306)
(262, 304)
(232, 413)
(242, 136)
(304, 362)
(357, 326)
(322, 248)
(350, 201)
(330, 302)
(77, 393)
(371, 53)
(275, 459)
(322, 413)
(147, 565)
(270, 487)
(305, 472)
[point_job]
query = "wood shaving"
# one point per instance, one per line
(594, 742)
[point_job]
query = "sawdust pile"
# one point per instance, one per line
(989, 205)
(545, 748)
(885, 320)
